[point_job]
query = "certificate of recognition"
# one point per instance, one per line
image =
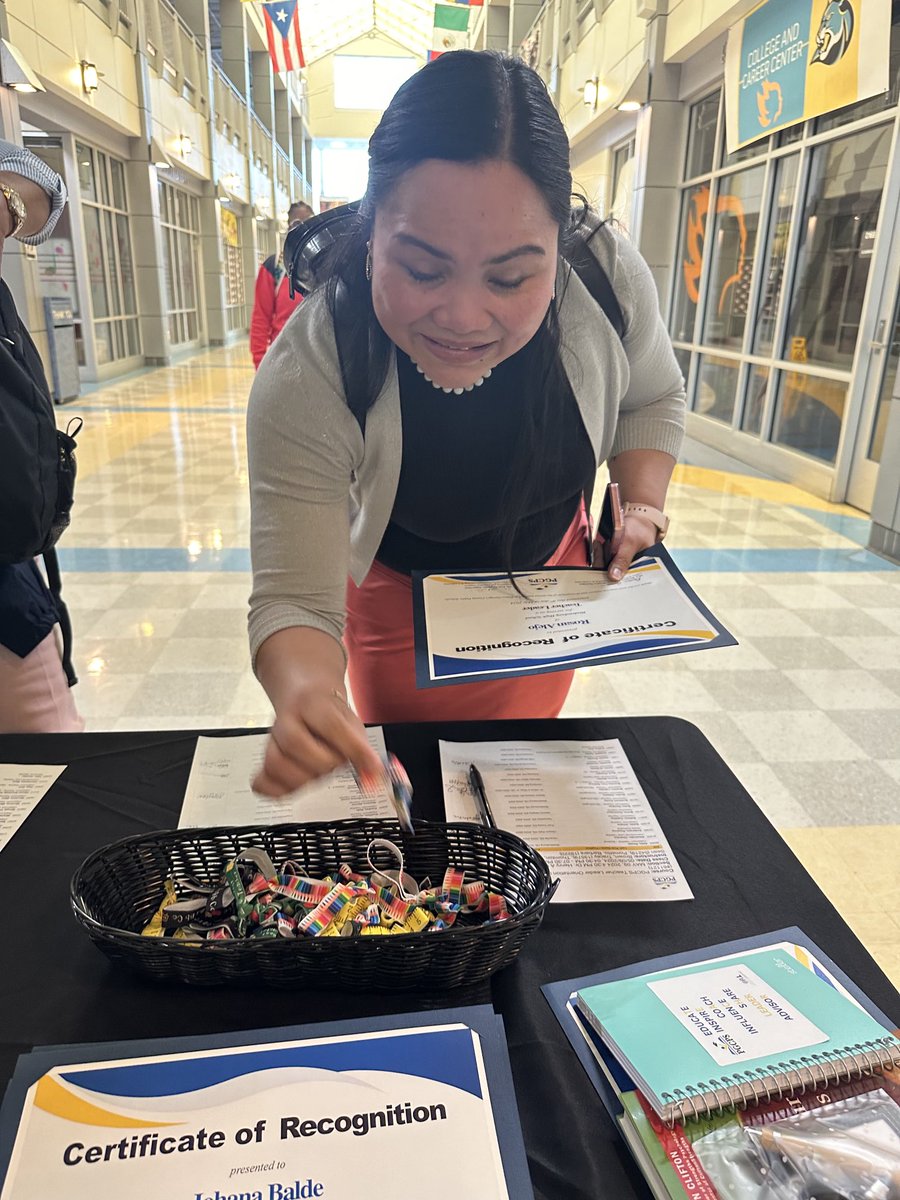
(406, 1111)
(478, 626)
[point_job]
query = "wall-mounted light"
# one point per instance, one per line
(185, 146)
(90, 77)
(590, 92)
(15, 72)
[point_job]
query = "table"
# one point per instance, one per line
(57, 987)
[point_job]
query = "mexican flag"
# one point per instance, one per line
(451, 22)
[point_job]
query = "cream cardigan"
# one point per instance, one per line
(322, 494)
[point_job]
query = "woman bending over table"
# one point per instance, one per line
(478, 387)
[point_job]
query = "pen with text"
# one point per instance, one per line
(484, 809)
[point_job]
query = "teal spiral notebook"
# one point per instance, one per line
(748, 1027)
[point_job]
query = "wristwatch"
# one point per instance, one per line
(16, 206)
(656, 515)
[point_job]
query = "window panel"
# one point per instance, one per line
(126, 265)
(169, 268)
(786, 173)
(808, 414)
(622, 189)
(838, 232)
(86, 177)
(133, 335)
(689, 264)
(114, 274)
(96, 258)
(683, 358)
(793, 133)
(103, 174)
(717, 387)
(754, 150)
(755, 400)
(879, 425)
(186, 262)
(180, 258)
(118, 185)
(733, 251)
(702, 136)
(103, 342)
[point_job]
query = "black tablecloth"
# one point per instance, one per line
(57, 987)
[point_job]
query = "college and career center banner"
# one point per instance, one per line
(793, 59)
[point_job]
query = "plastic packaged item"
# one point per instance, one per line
(849, 1150)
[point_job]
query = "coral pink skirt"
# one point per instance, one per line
(381, 662)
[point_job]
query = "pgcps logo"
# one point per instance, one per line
(835, 32)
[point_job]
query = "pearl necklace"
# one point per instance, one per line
(457, 391)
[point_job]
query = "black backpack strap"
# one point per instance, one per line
(596, 281)
(51, 565)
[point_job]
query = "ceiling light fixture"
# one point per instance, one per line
(15, 72)
(637, 95)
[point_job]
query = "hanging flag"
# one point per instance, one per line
(283, 32)
(451, 23)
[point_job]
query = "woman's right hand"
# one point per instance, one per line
(315, 730)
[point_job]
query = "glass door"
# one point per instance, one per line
(882, 357)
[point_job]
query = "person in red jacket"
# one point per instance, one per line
(272, 303)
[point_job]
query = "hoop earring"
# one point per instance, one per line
(368, 262)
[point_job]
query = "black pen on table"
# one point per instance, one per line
(484, 809)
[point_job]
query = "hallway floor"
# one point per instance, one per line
(806, 710)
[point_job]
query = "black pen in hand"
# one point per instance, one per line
(484, 809)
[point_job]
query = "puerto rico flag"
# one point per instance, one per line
(283, 31)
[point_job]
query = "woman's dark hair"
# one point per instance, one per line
(466, 106)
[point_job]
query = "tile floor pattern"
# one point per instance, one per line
(806, 710)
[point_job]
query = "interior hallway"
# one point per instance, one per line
(806, 710)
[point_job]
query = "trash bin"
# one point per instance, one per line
(65, 383)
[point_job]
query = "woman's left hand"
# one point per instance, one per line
(637, 534)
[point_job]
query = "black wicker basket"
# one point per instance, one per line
(116, 891)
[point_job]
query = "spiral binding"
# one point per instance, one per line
(789, 1079)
